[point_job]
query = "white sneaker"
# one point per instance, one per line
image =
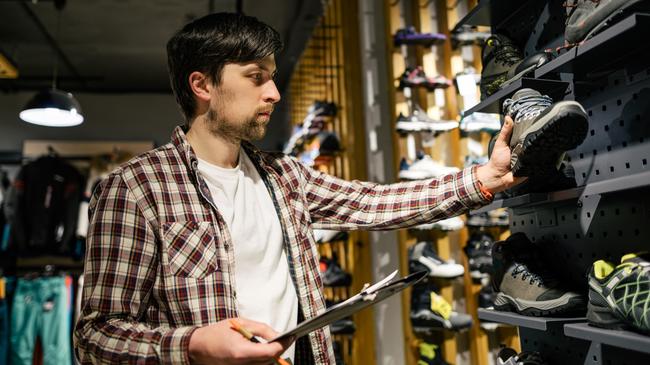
(433, 125)
(425, 168)
(449, 224)
(422, 256)
(326, 235)
(475, 122)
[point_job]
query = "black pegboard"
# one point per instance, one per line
(578, 232)
(554, 346)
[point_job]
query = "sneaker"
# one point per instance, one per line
(503, 63)
(433, 125)
(481, 122)
(423, 168)
(409, 124)
(618, 295)
(586, 18)
(430, 354)
(326, 235)
(422, 257)
(414, 77)
(508, 356)
(410, 36)
(322, 109)
(343, 326)
(493, 218)
(447, 225)
(469, 35)
(526, 285)
(431, 311)
(332, 274)
(543, 131)
(479, 255)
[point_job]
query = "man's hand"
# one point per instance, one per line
(496, 175)
(219, 344)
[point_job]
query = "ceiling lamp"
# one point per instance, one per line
(53, 107)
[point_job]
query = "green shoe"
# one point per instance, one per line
(618, 296)
(430, 354)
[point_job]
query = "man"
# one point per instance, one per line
(208, 228)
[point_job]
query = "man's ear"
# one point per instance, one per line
(200, 85)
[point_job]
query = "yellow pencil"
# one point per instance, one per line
(234, 324)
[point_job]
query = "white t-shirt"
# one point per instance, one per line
(265, 291)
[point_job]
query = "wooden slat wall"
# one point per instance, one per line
(329, 70)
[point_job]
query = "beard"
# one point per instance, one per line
(249, 129)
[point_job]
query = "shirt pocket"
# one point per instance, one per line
(191, 248)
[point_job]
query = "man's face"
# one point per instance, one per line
(241, 106)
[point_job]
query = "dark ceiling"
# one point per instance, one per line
(115, 46)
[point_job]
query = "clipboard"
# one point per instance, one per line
(369, 295)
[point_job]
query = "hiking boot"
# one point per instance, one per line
(618, 296)
(430, 354)
(525, 284)
(542, 131)
(411, 37)
(422, 257)
(479, 255)
(503, 63)
(431, 311)
(586, 18)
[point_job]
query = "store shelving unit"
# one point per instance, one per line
(619, 338)
(536, 323)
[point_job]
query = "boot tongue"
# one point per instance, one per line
(635, 258)
(525, 93)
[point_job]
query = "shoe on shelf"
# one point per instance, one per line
(508, 356)
(542, 131)
(447, 225)
(410, 36)
(422, 257)
(343, 326)
(525, 283)
(326, 235)
(434, 125)
(503, 63)
(415, 77)
(586, 18)
(430, 354)
(479, 255)
(431, 311)
(469, 35)
(493, 218)
(423, 168)
(332, 274)
(410, 124)
(619, 295)
(481, 122)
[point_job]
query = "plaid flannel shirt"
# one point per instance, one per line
(159, 260)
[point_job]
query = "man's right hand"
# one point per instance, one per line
(220, 344)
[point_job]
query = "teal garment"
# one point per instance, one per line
(41, 309)
(5, 311)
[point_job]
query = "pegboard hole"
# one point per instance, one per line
(624, 144)
(588, 214)
(533, 239)
(595, 358)
(568, 158)
(575, 217)
(563, 218)
(611, 169)
(597, 172)
(635, 96)
(636, 232)
(644, 162)
(641, 140)
(602, 213)
(627, 165)
(591, 234)
(609, 148)
(606, 128)
(566, 236)
(605, 234)
(523, 223)
(582, 155)
(618, 102)
(595, 152)
(617, 211)
(590, 113)
(620, 233)
(604, 107)
(531, 221)
(592, 132)
(577, 235)
(514, 224)
(584, 175)
(621, 122)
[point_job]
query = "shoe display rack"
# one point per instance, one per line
(605, 215)
(327, 72)
(449, 148)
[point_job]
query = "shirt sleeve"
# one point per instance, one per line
(120, 268)
(345, 205)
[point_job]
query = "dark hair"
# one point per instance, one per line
(207, 44)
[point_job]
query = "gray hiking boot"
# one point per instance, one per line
(543, 131)
(526, 285)
(586, 18)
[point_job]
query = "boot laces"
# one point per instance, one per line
(527, 107)
(526, 274)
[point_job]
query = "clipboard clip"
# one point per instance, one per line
(369, 293)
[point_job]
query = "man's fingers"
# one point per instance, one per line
(259, 329)
(506, 131)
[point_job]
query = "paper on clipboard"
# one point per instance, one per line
(368, 296)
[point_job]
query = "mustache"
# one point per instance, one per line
(268, 110)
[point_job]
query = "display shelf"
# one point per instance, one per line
(479, 16)
(536, 323)
(501, 15)
(617, 338)
(596, 55)
(492, 104)
(599, 187)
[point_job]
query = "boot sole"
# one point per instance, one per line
(564, 130)
(564, 305)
